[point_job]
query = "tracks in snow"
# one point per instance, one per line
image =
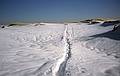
(60, 66)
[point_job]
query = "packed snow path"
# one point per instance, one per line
(60, 66)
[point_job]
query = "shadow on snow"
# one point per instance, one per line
(115, 35)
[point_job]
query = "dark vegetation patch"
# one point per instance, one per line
(86, 21)
(2, 26)
(110, 23)
(116, 27)
(90, 21)
(16, 25)
(39, 24)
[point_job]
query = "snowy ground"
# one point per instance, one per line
(59, 50)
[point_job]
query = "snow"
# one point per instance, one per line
(56, 49)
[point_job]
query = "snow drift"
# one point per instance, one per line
(47, 49)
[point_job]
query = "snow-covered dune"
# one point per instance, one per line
(54, 49)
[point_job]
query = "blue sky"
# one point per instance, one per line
(57, 10)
